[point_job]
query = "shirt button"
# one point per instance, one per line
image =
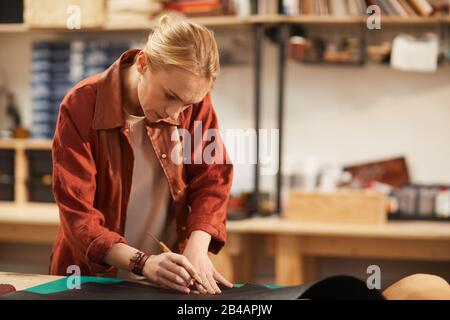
(183, 228)
(164, 156)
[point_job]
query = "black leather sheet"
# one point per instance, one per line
(338, 287)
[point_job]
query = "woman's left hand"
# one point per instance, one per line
(196, 252)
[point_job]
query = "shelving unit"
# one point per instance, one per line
(21, 174)
(258, 23)
(235, 21)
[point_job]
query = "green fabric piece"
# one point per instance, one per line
(61, 284)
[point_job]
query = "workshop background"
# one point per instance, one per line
(360, 93)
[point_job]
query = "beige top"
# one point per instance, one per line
(147, 212)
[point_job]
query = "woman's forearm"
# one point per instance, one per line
(119, 255)
(200, 240)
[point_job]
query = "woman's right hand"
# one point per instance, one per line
(170, 271)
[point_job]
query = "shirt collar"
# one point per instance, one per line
(109, 112)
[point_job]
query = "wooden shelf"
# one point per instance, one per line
(12, 27)
(392, 229)
(25, 144)
(390, 20)
(33, 223)
(30, 213)
(232, 21)
(219, 21)
(222, 21)
(325, 20)
(411, 20)
(267, 19)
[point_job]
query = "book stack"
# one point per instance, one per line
(404, 8)
(56, 67)
(337, 8)
(198, 8)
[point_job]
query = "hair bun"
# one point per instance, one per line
(165, 19)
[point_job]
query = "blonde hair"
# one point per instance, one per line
(183, 44)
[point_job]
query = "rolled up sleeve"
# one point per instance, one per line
(74, 188)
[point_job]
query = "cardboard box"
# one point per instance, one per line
(343, 207)
(64, 13)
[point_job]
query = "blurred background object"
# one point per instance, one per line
(132, 11)
(63, 13)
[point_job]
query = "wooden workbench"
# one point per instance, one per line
(294, 245)
(31, 223)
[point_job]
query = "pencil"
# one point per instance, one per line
(165, 248)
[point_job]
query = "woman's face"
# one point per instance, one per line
(166, 92)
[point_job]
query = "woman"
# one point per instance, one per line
(128, 165)
(122, 175)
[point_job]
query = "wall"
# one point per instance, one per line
(343, 114)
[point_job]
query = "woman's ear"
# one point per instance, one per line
(141, 62)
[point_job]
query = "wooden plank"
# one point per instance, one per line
(376, 248)
(22, 281)
(225, 21)
(410, 20)
(20, 144)
(231, 21)
(243, 249)
(324, 20)
(12, 27)
(391, 229)
(30, 213)
(309, 264)
(267, 19)
(219, 21)
(288, 262)
(342, 207)
(27, 233)
(20, 176)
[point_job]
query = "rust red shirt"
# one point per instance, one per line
(93, 166)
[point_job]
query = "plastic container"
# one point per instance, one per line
(443, 203)
(7, 162)
(40, 189)
(39, 162)
(6, 187)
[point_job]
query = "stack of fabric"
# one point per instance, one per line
(121, 12)
(50, 79)
(56, 67)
